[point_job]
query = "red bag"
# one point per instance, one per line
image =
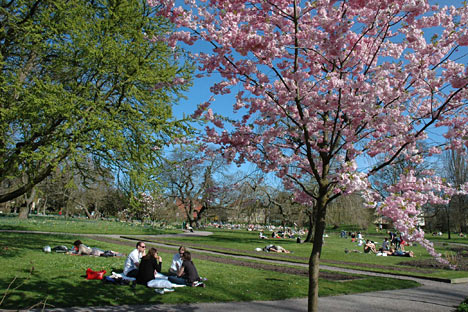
(90, 274)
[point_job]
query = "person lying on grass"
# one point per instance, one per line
(275, 248)
(81, 249)
(188, 274)
(400, 253)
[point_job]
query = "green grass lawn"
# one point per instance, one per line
(78, 225)
(58, 279)
(332, 253)
(244, 242)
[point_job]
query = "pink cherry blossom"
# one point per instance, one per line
(321, 84)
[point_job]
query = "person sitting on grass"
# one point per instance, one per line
(261, 236)
(369, 246)
(274, 235)
(176, 261)
(386, 244)
(133, 260)
(275, 248)
(188, 274)
(403, 243)
(149, 266)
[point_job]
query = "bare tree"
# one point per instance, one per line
(190, 179)
(455, 167)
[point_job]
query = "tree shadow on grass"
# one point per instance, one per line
(60, 292)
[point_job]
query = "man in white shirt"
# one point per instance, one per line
(177, 261)
(133, 260)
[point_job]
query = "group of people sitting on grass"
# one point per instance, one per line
(146, 269)
(387, 249)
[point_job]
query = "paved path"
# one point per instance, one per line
(432, 296)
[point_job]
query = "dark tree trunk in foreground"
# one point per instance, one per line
(314, 260)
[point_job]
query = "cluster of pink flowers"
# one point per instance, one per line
(404, 205)
(151, 206)
(167, 84)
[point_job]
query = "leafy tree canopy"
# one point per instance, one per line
(82, 78)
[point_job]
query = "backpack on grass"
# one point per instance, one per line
(91, 274)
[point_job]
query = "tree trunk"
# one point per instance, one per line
(314, 260)
(88, 214)
(199, 214)
(44, 206)
(23, 212)
(310, 232)
(448, 225)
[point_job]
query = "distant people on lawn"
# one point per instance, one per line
(343, 234)
(400, 253)
(397, 242)
(402, 244)
(369, 246)
(177, 261)
(386, 244)
(80, 249)
(391, 237)
(133, 260)
(275, 248)
(187, 274)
